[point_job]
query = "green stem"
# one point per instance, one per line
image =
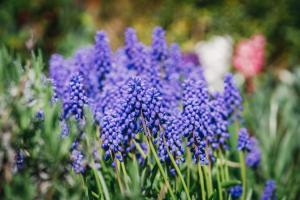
(222, 171)
(161, 169)
(126, 177)
(226, 172)
(119, 180)
(243, 174)
(139, 148)
(201, 181)
(208, 180)
(101, 184)
(188, 161)
(180, 175)
(219, 184)
(85, 187)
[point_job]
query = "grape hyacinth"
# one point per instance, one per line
(269, 191)
(58, 73)
(174, 62)
(134, 51)
(171, 139)
(111, 137)
(159, 46)
(218, 123)
(236, 191)
(195, 117)
(78, 161)
(244, 142)
(64, 129)
(40, 115)
(249, 145)
(19, 160)
(151, 93)
(75, 98)
(102, 58)
(130, 108)
(154, 111)
(254, 156)
(232, 98)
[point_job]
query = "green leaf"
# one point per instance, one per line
(230, 183)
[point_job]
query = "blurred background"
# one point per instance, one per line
(258, 40)
(62, 25)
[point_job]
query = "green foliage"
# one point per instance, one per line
(272, 113)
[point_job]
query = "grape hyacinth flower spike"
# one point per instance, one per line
(244, 142)
(232, 98)
(75, 98)
(102, 58)
(159, 45)
(235, 191)
(269, 192)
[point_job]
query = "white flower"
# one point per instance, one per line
(215, 58)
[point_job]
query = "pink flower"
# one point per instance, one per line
(249, 55)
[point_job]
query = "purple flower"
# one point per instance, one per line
(136, 53)
(19, 160)
(173, 63)
(131, 41)
(190, 58)
(269, 191)
(122, 123)
(102, 57)
(111, 137)
(40, 115)
(218, 123)
(159, 46)
(154, 111)
(244, 141)
(75, 98)
(254, 156)
(64, 129)
(82, 61)
(232, 98)
(78, 161)
(235, 191)
(249, 145)
(195, 118)
(58, 73)
(171, 139)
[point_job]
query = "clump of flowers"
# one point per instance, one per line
(151, 101)
(269, 192)
(215, 56)
(249, 55)
(236, 191)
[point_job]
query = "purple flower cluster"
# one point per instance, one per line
(244, 142)
(171, 139)
(136, 57)
(218, 123)
(195, 117)
(154, 111)
(159, 50)
(75, 98)
(254, 156)
(149, 90)
(102, 58)
(232, 98)
(111, 136)
(236, 191)
(59, 73)
(269, 191)
(19, 160)
(249, 145)
(78, 161)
